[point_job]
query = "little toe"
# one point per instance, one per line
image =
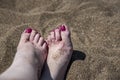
(52, 36)
(33, 33)
(26, 35)
(41, 41)
(36, 38)
(57, 35)
(48, 39)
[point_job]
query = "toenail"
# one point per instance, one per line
(62, 28)
(28, 30)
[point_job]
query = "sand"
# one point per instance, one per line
(95, 31)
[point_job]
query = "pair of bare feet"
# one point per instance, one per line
(34, 52)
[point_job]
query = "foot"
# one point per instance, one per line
(34, 44)
(59, 54)
(31, 51)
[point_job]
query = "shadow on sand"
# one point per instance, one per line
(77, 55)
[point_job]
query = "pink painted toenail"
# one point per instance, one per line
(62, 28)
(28, 30)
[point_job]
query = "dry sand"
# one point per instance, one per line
(94, 24)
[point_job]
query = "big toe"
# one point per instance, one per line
(65, 33)
(26, 35)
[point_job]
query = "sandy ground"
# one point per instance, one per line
(94, 24)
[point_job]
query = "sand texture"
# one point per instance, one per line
(95, 31)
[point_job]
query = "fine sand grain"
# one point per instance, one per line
(95, 31)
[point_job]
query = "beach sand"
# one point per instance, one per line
(95, 31)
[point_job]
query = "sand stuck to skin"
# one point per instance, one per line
(95, 31)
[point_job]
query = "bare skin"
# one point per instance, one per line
(31, 51)
(59, 54)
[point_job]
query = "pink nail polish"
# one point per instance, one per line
(28, 30)
(62, 28)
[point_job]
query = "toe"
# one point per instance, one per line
(52, 36)
(33, 33)
(41, 41)
(48, 39)
(36, 38)
(26, 35)
(65, 32)
(44, 45)
(57, 35)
